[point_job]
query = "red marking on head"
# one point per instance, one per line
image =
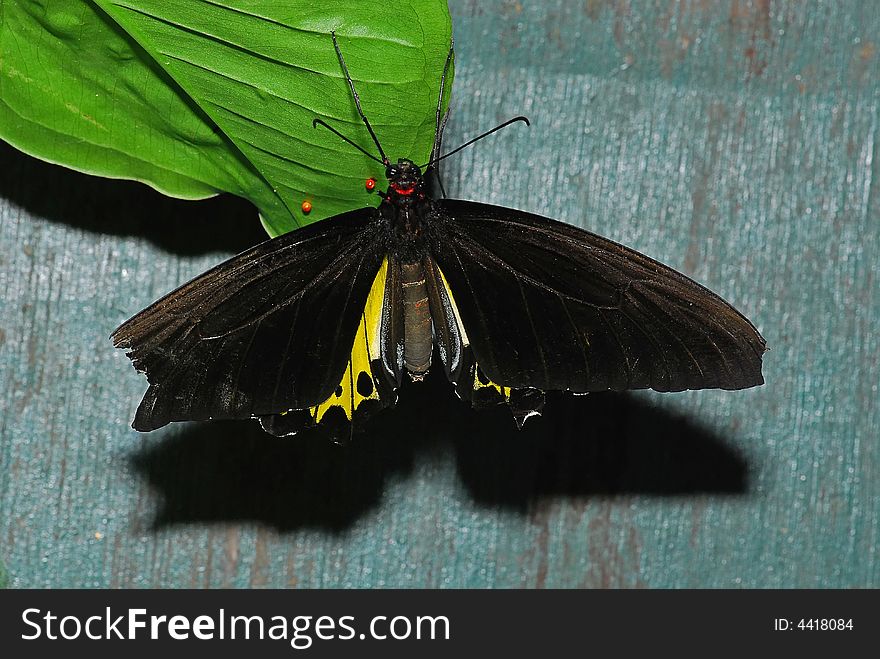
(403, 191)
(307, 207)
(370, 184)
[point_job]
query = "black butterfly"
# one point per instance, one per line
(322, 324)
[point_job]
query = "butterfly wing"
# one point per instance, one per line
(553, 307)
(270, 330)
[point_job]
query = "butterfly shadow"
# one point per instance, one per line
(601, 444)
(126, 208)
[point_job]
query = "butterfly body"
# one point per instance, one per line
(322, 325)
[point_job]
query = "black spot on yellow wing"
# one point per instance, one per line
(358, 386)
(365, 384)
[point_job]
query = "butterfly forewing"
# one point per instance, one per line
(551, 306)
(270, 330)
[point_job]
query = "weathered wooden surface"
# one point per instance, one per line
(735, 140)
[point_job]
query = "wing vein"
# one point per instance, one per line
(241, 362)
(482, 251)
(538, 347)
(620, 344)
(282, 359)
(578, 338)
(476, 301)
(663, 317)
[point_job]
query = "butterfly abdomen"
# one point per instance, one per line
(419, 342)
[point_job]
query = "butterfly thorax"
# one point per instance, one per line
(406, 207)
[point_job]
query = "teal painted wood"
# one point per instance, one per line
(736, 141)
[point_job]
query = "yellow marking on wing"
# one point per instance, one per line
(503, 391)
(364, 350)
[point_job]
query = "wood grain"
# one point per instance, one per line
(736, 141)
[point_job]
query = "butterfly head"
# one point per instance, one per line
(405, 178)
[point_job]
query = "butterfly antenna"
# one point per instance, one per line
(357, 99)
(441, 118)
(320, 122)
(477, 139)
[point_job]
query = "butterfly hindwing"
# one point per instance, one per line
(462, 370)
(269, 330)
(366, 384)
(553, 307)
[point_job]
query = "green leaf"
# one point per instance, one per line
(75, 90)
(197, 97)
